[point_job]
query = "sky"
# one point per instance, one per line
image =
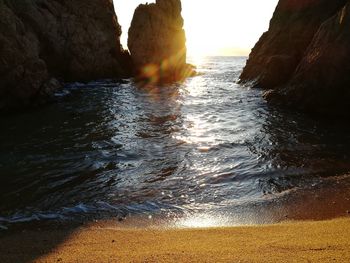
(220, 27)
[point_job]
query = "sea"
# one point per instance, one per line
(205, 152)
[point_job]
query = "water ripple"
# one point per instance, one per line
(114, 148)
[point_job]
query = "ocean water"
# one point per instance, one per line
(208, 146)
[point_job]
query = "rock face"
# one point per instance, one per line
(157, 42)
(45, 39)
(303, 60)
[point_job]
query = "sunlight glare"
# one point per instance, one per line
(200, 221)
(225, 27)
(221, 27)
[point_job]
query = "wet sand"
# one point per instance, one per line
(321, 241)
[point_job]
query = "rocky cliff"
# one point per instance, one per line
(303, 59)
(45, 40)
(157, 42)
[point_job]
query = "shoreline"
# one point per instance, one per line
(328, 201)
(297, 241)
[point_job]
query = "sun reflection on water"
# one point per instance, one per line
(212, 219)
(200, 221)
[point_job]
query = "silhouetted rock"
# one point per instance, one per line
(303, 60)
(321, 83)
(68, 39)
(157, 42)
(277, 54)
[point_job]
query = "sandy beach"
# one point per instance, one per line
(321, 241)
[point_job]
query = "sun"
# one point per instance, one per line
(202, 36)
(226, 27)
(198, 44)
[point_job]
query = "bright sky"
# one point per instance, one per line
(220, 27)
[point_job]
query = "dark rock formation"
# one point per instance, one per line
(157, 42)
(304, 57)
(321, 82)
(279, 50)
(45, 39)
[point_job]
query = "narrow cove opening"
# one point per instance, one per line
(224, 28)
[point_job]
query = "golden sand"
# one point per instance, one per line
(323, 241)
